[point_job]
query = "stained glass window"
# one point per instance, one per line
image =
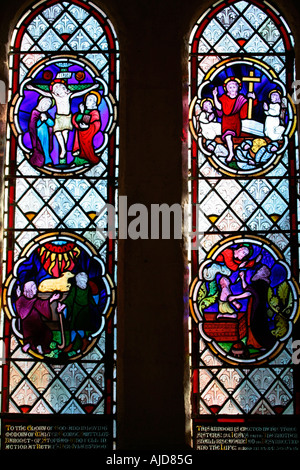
(59, 268)
(243, 160)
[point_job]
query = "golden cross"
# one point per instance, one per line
(251, 79)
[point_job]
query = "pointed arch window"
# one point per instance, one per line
(59, 269)
(243, 159)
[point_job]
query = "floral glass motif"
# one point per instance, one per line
(61, 170)
(242, 160)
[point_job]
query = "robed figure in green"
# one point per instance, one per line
(81, 308)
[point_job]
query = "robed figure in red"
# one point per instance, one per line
(237, 258)
(87, 123)
(232, 107)
(32, 313)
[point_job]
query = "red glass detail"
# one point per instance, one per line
(25, 408)
(110, 327)
(198, 34)
(89, 408)
(215, 409)
(216, 10)
(108, 405)
(86, 7)
(10, 260)
(230, 420)
(6, 367)
(278, 409)
(11, 207)
(286, 38)
(112, 82)
(20, 36)
(194, 69)
(196, 381)
(109, 37)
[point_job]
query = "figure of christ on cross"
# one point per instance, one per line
(232, 107)
(63, 118)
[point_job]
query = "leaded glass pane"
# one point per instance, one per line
(60, 172)
(244, 294)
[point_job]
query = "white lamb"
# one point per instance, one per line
(60, 284)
